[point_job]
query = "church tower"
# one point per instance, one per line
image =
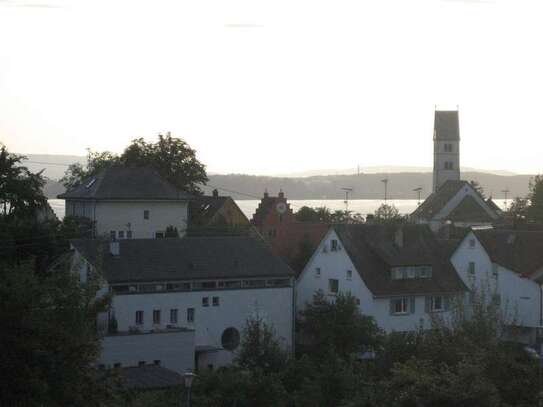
(446, 147)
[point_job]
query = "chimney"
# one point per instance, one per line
(266, 195)
(281, 194)
(215, 193)
(398, 237)
(114, 248)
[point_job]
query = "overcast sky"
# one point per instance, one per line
(275, 86)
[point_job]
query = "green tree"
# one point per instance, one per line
(260, 348)
(96, 162)
(307, 214)
(518, 210)
(388, 214)
(535, 210)
(172, 157)
(336, 326)
(50, 339)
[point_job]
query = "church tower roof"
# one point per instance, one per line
(446, 125)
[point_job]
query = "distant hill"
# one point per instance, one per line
(367, 185)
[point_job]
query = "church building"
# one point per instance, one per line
(453, 201)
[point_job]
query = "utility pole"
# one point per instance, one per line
(418, 191)
(385, 181)
(346, 201)
(505, 192)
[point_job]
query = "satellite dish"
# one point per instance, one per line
(281, 207)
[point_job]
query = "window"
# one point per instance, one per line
(318, 272)
(215, 301)
(411, 272)
(146, 214)
(495, 270)
(349, 274)
(129, 234)
(159, 235)
(116, 365)
(230, 339)
(173, 316)
(471, 243)
(497, 299)
(205, 301)
(190, 315)
(333, 245)
(471, 268)
(333, 285)
(399, 305)
(112, 235)
(357, 301)
(448, 148)
(139, 317)
(121, 234)
(436, 304)
(448, 165)
(156, 316)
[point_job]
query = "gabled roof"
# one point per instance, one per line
(468, 210)
(188, 258)
(202, 209)
(373, 251)
(266, 205)
(446, 125)
(520, 251)
(126, 183)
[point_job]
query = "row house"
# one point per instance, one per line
(183, 303)
(399, 276)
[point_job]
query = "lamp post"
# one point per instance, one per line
(188, 377)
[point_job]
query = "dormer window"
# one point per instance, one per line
(410, 272)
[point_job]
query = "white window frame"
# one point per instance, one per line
(349, 275)
(317, 272)
(433, 307)
(330, 286)
(334, 245)
(405, 306)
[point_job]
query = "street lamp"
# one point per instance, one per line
(188, 377)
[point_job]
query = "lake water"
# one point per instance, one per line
(362, 206)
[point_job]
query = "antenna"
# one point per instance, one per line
(418, 191)
(385, 181)
(505, 192)
(346, 201)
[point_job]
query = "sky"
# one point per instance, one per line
(279, 86)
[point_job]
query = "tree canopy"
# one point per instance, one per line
(171, 157)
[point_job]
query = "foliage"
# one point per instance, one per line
(260, 348)
(336, 326)
(48, 326)
(535, 210)
(96, 162)
(172, 157)
(518, 211)
(20, 190)
(171, 231)
(388, 214)
(324, 215)
(478, 187)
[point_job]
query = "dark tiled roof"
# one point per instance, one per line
(520, 251)
(469, 210)
(149, 377)
(446, 126)
(126, 183)
(437, 200)
(203, 208)
(373, 251)
(183, 259)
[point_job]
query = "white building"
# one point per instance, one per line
(129, 203)
(208, 285)
(400, 276)
(503, 266)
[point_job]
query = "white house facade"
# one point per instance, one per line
(209, 286)
(491, 263)
(394, 278)
(129, 203)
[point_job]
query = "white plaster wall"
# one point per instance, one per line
(335, 265)
(175, 350)
(275, 305)
(441, 175)
(115, 215)
(520, 297)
